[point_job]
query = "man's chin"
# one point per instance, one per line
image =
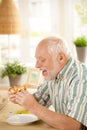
(48, 78)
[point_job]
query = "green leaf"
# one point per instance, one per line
(80, 41)
(13, 69)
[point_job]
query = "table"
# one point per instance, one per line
(9, 109)
(39, 125)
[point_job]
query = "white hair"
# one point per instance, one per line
(56, 45)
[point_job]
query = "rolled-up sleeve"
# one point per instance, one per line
(42, 95)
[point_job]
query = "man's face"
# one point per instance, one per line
(46, 62)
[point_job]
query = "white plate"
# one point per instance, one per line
(21, 119)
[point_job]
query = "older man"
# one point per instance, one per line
(65, 87)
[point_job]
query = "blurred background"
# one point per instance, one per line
(42, 18)
(23, 23)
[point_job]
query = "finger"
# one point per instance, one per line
(24, 92)
(12, 99)
(9, 92)
(20, 97)
(19, 100)
(20, 94)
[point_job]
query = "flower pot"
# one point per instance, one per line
(18, 80)
(82, 54)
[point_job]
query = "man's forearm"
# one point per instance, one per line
(56, 120)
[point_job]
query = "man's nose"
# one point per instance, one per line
(38, 65)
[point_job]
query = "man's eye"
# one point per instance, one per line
(42, 60)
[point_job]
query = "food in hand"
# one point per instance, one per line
(16, 89)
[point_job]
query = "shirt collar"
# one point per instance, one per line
(64, 71)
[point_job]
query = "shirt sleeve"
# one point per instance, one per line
(77, 100)
(42, 95)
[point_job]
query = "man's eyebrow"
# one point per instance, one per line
(40, 57)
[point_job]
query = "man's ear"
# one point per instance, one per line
(60, 57)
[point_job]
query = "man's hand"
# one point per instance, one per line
(56, 120)
(12, 97)
(26, 100)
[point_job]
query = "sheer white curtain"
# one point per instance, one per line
(62, 21)
(60, 15)
(35, 14)
(24, 44)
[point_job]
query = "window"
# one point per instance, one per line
(80, 17)
(41, 18)
(9, 47)
(37, 24)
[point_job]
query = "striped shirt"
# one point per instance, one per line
(68, 92)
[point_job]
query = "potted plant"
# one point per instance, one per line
(14, 71)
(81, 47)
